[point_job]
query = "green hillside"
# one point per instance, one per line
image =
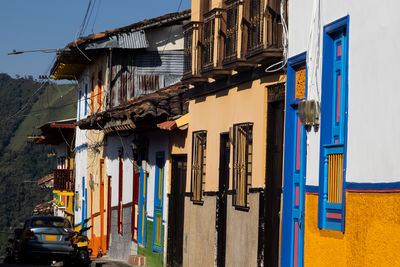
(24, 105)
(57, 102)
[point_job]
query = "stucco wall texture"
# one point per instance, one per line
(199, 234)
(371, 236)
(121, 246)
(242, 233)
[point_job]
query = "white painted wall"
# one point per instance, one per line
(80, 171)
(114, 143)
(165, 38)
(81, 142)
(157, 142)
(374, 48)
(84, 83)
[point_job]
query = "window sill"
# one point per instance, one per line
(242, 208)
(198, 202)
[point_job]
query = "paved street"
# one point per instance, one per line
(101, 262)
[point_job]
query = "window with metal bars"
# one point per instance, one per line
(335, 178)
(199, 144)
(231, 30)
(333, 126)
(208, 43)
(255, 29)
(188, 39)
(242, 162)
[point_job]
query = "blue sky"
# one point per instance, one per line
(46, 24)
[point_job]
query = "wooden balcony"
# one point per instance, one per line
(263, 31)
(212, 45)
(192, 53)
(64, 180)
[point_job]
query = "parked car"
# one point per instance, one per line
(46, 237)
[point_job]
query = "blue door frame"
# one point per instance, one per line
(142, 224)
(84, 203)
(292, 251)
(158, 203)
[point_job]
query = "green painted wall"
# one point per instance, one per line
(153, 259)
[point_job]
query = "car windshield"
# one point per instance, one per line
(50, 222)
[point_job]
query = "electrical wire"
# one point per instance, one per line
(283, 63)
(313, 51)
(27, 102)
(95, 17)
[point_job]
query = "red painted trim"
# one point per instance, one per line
(330, 215)
(298, 144)
(297, 197)
(339, 51)
(373, 190)
(64, 126)
(120, 190)
(127, 205)
(338, 98)
(364, 191)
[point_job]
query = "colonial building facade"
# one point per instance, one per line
(341, 174)
(234, 63)
(127, 86)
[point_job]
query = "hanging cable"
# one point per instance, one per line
(313, 52)
(283, 62)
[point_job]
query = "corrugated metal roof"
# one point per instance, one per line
(132, 40)
(166, 19)
(124, 40)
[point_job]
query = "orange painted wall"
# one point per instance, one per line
(371, 237)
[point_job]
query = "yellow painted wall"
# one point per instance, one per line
(371, 238)
(218, 112)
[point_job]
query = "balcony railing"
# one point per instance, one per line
(208, 50)
(64, 180)
(231, 35)
(188, 46)
(264, 29)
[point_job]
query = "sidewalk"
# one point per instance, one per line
(105, 261)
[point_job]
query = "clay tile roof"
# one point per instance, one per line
(46, 178)
(167, 125)
(161, 105)
(45, 208)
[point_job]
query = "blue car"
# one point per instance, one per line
(46, 238)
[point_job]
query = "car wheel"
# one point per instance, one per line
(83, 257)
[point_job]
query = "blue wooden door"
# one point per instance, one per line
(294, 167)
(158, 203)
(142, 212)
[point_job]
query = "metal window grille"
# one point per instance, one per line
(335, 178)
(64, 180)
(242, 162)
(199, 144)
(231, 31)
(208, 50)
(255, 34)
(188, 39)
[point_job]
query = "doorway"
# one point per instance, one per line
(273, 182)
(224, 158)
(176, 209)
